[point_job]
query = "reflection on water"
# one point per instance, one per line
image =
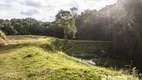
(90, 61)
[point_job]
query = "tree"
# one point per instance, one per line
(1, 26)
(8, 28)
(74, 11)
(65, 20)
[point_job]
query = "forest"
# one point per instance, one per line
(119, 24)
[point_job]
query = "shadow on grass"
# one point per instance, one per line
(13, 46)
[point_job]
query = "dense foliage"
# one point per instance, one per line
(29, 26)
(124, 26)
(66, 21)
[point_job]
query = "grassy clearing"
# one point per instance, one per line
(29, 58)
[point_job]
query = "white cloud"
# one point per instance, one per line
(29, 12)
(45, 10)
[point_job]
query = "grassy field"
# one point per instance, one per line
(97, 51)
(36, 58)
(86, 49)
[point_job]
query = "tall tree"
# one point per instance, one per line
(66, 21)
(74, 12)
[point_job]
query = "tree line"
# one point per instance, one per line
(29, 26)
(89, 27)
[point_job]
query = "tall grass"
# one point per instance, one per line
(2, 35)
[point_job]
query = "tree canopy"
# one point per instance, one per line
(65, 20)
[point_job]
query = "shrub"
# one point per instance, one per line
(3, 39)
(2, 35)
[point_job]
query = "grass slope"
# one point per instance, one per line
(97, 51)
(86, 49)
(29, 58)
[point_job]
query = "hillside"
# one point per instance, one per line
(35, 58)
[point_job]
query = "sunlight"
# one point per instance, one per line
(70, 39)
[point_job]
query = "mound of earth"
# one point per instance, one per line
(36, 58)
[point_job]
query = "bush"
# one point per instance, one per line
(3, 39)
(2, 35)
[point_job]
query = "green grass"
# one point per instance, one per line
(85, 49)
(108, 62)
(29, 58)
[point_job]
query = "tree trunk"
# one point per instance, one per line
(65, 35)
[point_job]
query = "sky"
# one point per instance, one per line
(45, 10)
